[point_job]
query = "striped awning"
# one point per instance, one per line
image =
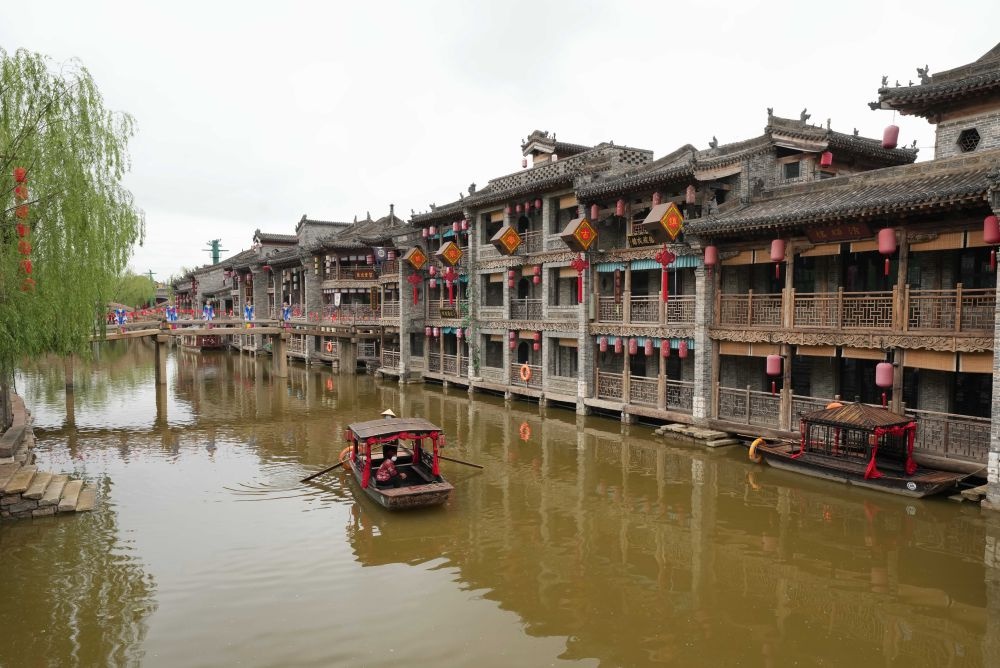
(681, 262)
(605, 267)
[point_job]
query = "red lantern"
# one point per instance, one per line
(538, 203)
(437, 332)
(527, 207)
(711, 257)
(536, 346)
(26, 266)
(20, 193)
(537, 337)
(20, 174)
(456, 227)
(664, 347)
(648, 347)
(524, 163)
(428, 331)
(21, 211)
(890, 137)
(458, 333)
(825, 159)
(633, 346)
(433, 282)
(518, 208)
(883, 378)
(432, 270)
(620, 208)
(887, 244)
(22, 230)
(618, 345)
(508, 210)
(433, 230)
(773, 370)
(27, 285)
(777, 255)
(465, 225)
(370, 260)
(24, 247)
(424, 233)
(991, 235)
(657, 198)
(603, 344)
(595, 212)
(690, 194)
(537, 278)
(511, 335)
(682, 349)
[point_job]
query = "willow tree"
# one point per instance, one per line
(68, 224)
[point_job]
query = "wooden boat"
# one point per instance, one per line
(423, 486)
(861, 445)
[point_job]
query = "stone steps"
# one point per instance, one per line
(27, 492)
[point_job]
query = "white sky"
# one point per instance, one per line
(250, 114)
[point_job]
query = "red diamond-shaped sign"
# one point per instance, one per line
(416, 257)
(585, 234)
(507, 240)
(672, 221)
(450, 253)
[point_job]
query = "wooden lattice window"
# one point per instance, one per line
(968, 140)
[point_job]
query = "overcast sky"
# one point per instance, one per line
(250, 114)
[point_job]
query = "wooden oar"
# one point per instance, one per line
(326, 470)
(459, 461)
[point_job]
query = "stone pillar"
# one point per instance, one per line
(348, 355)
(993, 463)
(407, 313)
(261, 281)
(703, 314)
(68, 372)
(279, 355)
(161, 345)
(586, 358)
(468, 266)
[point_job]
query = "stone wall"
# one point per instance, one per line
(987, 124)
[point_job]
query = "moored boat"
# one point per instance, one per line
(861, 445)
(420, 482)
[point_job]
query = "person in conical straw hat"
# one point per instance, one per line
(388, 414)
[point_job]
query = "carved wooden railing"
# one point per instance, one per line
(390, 309)
(390, 359)
(644, 309)
(434, 362)
(955, 436)
(525, 309)
(610, 310)
(610, 385)
(487, 253)
(297, 344)
(366, 350)
(449, 365)
(680, 310)
(492, 374)
(532, 242)
(643, 391)
(749, 407)
(680, 395)
(536, 376)
(958, 310)
(350, 313)
(843, 310)
(749, 310)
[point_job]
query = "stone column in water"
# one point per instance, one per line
(703, 307)
(279, 355)
(993, 464)
(161, 344)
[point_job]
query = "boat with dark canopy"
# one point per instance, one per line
(421, 483)
(858, 444)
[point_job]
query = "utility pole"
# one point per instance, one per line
(215, 250)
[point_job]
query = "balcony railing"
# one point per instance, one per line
(844, 310)
(449, 364)
(958, 310)
(390, 268)
(954, 436)
(610, 310)
(526, 309)
(750, 310)
(457, 310)
(366, 350)
(644, 309)
(749, 407)
(647, 309)
(680, 395)
(350, 313)
(390, 359)
(535, 381)
(297, 344)
(492, 374)
(434, 362)
(643, 391)
(487, 253)
(610, 386)
(390, 309)
(532, 242)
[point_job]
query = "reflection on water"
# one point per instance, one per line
(581, 541)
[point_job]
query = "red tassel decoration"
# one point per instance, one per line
(887, 266)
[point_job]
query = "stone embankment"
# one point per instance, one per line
(24, 490)
(710, 438)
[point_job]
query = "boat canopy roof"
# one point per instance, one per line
(856, 415)
(389, 426)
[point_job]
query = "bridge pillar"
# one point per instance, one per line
(349, 355)
(68, 372)
(162, 342)
(279, 355)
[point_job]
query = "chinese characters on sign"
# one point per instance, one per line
(834, 233)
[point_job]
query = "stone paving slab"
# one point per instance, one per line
(87, 499)
(38, 485)
(7, 471)
(21, 480)
(54, 491)
(70, 496)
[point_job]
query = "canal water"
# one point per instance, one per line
(582, 541)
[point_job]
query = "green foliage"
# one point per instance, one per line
(83, 222)
(133, 290)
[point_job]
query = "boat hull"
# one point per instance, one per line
(405, 498)
(924, 482)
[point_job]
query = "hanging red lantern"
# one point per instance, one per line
(825, 159)
(538, 203)
(664, 347)
(773, 369)
(456, 227)
(425, 233)
(22, 230)
(777, 255)
(887, 244)
(28, 284)
(465, 224)
(537, 278)
(21, 192)
(657, 198)
(618, 345)
(432, 270)
(428, 331)
(24, 247)
(991, 236)
(524, 163)
(883, 378)
(458, 333)
(537, 337)
(633, 346)
(433, 230)
(620, 208)
(890, 137)
(682, 349)
(518, 208)
(536, 346)
(433, 283)
(512, 335)
(437, 332)
(648, 347)
(711, 257)
(21, 211)
(690, 195)
(603, 344)
(527, 207)
(20, 174)
(26, 266)
(595, 212)
(370, 260)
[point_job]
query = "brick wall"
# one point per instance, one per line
(987, 124)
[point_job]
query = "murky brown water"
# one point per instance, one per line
(585, 542)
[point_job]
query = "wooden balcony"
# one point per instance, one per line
(646, 310)
(525, 309)
(918, 311)
(390, 359)
(652, 392)
(535, 382)
(350, 313)
(390, 310)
